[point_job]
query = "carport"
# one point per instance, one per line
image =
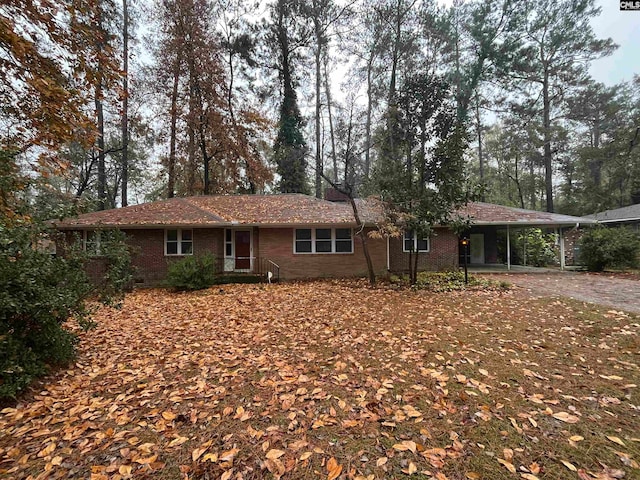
(488, 219)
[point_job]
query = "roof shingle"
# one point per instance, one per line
(285, 209)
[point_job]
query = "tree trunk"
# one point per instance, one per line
(102, 175)
(548, 167)
(125, 103)
(479, 132)
(319, 163)
(171, 164)
(363, 238)
(334, 154)
(367, 151)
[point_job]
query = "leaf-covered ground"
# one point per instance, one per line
(336, 380)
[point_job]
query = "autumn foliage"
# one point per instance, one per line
(335, 380)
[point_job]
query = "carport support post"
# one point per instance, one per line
(561, 249)
(508, 249)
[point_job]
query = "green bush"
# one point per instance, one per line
(193, 272)
(602, 248)
(38, 293)
(539, 247)
(119, 274)
(447, 281)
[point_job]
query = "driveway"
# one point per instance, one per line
(612, 292)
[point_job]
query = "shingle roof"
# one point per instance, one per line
(624, 214)
(223, 210)
(490, 214)
(281, 210)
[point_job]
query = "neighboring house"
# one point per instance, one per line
(625, 216)
(292, 235)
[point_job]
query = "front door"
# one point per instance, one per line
(243, 249)
(476, 247)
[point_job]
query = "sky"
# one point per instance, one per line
(623, 27)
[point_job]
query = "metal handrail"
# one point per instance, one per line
(277, 275)
(258, 265)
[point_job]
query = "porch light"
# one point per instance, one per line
(465, 246)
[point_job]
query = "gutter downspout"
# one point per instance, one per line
(562, 261)
(508, 250)
(388, 256)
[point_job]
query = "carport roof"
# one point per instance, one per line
(490, 214)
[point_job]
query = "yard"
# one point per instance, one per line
(337, 380)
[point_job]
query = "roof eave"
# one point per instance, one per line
(631, 219)
(535, 224)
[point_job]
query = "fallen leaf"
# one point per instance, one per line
(566, 417)
(273, 453)
(569, 465)
(508, 465)
(333, 468)
(168, 416)
(616, 440)
(125, 470)
(229, 454)
(178, 441)
(405, 445)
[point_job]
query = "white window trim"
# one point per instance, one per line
(179, 230)
(313, 241)
(231, 242)
(415, 244)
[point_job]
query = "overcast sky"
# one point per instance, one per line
(624, 29)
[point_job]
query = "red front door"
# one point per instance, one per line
(243, 249)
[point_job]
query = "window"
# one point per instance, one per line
(178, 242)
(303, 240)
(228, 243)
(323, 240)
(92, 242)
(411, 244)
(344, 243)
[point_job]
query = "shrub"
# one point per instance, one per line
(603, 247)
(193, 272)
(539, 247)
(447, 281)
(38, 293)
(119, 273)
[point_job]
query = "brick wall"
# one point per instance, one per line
(148, 257)
(442, 255)
(276, 244)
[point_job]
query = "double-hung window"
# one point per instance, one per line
(323, 240)
(178, 242)
(412, 244)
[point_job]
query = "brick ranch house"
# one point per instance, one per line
(292, 235)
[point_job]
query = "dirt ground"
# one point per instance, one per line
(610, 291)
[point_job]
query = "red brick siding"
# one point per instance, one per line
(276, 244)
(442, 255)
(148, 257)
